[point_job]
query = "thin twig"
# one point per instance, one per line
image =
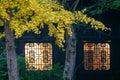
(75, 5)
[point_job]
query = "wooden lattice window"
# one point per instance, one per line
(96, 56)
(38, 56)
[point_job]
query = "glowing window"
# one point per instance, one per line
(38, 56)
(96, 56)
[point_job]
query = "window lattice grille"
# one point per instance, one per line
(96, 56)
(38, 56)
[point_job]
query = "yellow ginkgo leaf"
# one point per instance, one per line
(1, 23)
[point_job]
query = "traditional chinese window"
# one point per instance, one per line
(96, 56)
(38, 56)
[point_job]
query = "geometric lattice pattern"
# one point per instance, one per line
(38, 56)
(96, 56)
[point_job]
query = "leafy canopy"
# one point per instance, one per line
(32, 15)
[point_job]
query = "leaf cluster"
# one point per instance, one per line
(32, 15)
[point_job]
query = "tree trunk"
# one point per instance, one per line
(70, 56)
(11, 54)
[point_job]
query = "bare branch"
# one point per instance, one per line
(75, 5)
(63, 2)
(98, 3)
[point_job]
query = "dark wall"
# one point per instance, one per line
(115, 22)
(112, 20)
(58, 54)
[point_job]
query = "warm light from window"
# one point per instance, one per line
(96, 56)
(38, 56)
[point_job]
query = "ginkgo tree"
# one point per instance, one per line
(19, 16)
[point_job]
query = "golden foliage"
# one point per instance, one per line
(30, 15)
(1, 23)
(2, 35)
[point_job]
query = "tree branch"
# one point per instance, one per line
(63, 3)
(75, 5)
(98, 3)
